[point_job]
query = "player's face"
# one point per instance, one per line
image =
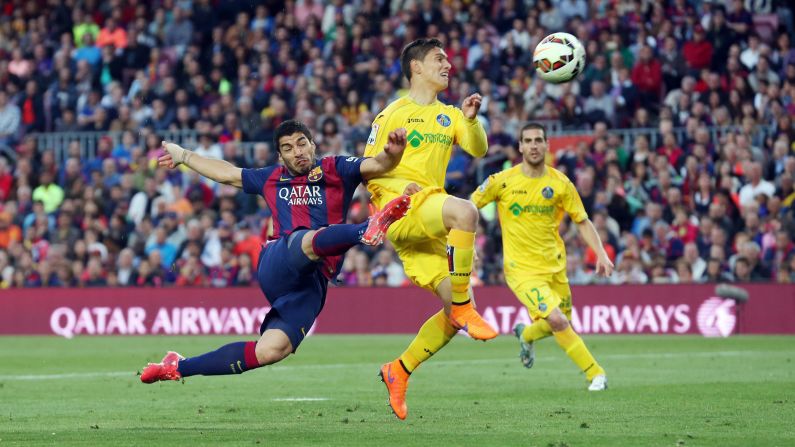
(533, 147)
(297, 153)
(436, 68)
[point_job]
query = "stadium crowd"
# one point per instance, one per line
(705, 205)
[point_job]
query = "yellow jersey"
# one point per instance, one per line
(530, 210)
(431, 132)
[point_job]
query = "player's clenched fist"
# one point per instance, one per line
(174, 155)
(471, 105)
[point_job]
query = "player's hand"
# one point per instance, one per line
(411, 189)
(471, 105)
(396, 142)
(604, 266)
(173, 155)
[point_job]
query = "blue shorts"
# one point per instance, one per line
(294, 286)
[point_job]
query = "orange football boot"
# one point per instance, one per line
(396, 380)
(464, 317)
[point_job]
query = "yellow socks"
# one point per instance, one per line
(574, 347)
(536, 331)
(460, 254)
(432, 336)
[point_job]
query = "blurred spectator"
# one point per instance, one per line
(706, 170)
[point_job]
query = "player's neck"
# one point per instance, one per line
(422, 94)
(534, 171)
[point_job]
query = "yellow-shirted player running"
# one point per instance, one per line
(436, 239)
(531, 201)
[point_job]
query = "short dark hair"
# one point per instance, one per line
(538, 126)
(290, 127)
(416, 50)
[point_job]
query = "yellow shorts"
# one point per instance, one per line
(542, 293)
(420, 239)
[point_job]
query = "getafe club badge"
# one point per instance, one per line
(547, 192)
(315, 174)
(443, 120)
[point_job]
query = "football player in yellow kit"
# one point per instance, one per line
(531, 201)
(435, 240)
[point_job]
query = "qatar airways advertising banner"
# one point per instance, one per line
(677, 309)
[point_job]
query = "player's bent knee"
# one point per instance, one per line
(460, 214)
(557, 321)
(272, 351)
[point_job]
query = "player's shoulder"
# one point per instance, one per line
(396, 106)
(504, 176)
(513, 171)
(557, 175)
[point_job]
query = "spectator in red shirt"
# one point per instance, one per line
(112, 35)
(697, 52)
(647, 76)
(6, 180)
(671, 150)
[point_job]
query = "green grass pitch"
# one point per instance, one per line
(664, 391)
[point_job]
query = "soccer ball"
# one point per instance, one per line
(559, 58)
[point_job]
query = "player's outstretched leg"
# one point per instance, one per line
(335, 240)
(379, 223)
(233, 358)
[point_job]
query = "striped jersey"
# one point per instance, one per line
(312, 201)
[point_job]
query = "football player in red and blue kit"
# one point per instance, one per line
(309, 199)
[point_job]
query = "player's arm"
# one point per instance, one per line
(486, 192)
(387, 159)
(572, 203)
(470, 134)
(588, 232)
(220, 171)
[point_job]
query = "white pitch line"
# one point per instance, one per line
(299, 399)
(280, 368)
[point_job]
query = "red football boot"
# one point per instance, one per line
(165, 370)
(380, 222)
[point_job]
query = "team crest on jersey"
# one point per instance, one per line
(547, 192)
(315, 174)
(443, 120)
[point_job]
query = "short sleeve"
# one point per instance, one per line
(349, 169)
(377, 137)
(572, 203)
(254, 179)
(486, 192)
